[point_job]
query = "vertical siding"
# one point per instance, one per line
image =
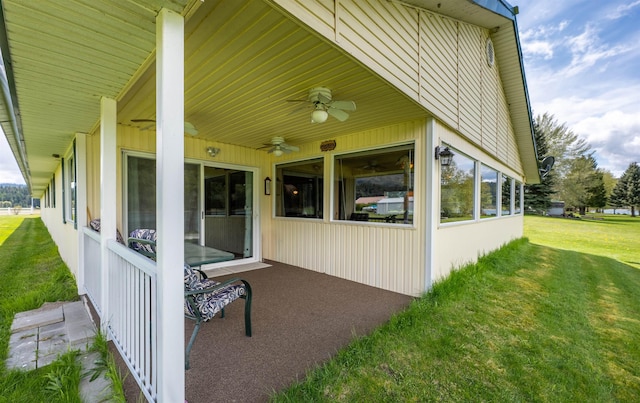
(389, 257)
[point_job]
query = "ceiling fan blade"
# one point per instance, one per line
(323, 99)
(338, 114)
(344, 105)
(190, 129)
(143, 120)
(290, 147)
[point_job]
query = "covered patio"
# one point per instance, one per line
(300, 319)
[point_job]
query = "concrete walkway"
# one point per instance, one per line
(39, 336)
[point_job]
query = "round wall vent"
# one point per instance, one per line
(490, 54)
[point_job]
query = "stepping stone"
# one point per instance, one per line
(37, 318)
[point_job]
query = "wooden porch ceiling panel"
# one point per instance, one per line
(245, 60)
(65, 55)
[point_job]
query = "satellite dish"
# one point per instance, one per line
(546, 165)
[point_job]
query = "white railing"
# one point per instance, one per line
(92, 268)
(132, 324)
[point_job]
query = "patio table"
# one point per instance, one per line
(197, 255)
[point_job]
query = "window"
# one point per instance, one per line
(517, 192)
(457, 189)
(226, 191)
(506, 195)
(488, 192)
(299, 189)
(375, 185)
(69, 187)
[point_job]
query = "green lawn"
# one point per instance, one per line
(553, 319)
(31, 273)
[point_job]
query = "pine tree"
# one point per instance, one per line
(627, 190)
(538, 197)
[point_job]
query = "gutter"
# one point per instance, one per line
(9, 103)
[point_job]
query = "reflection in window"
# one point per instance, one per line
(299, 189)
(375, 185)
(226, 191)
(506, 195)
(517, 191)
(457, 189)
(488, 192)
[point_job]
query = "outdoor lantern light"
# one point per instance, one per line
(444, 155)
(267, 186)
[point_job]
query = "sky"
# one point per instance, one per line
(582, 65)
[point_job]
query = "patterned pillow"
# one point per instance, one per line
(148, 234)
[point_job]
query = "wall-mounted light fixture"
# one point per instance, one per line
(444, 155)
(267, 186)
(212, 151)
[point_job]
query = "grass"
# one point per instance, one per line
(32, 273)
(550, 319)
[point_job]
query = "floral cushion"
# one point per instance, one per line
(208, 303)
(149, 235)
(95, 225)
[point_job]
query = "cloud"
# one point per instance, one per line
(622, 10)
(610, 123)
(587, 50)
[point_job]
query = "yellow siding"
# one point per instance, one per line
(472, 100)
(439, 67)
(385, 256)
(436, 60)
(384, 36)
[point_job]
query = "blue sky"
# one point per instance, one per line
(582, 64)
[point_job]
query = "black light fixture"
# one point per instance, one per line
(444, 155)
(267, 186)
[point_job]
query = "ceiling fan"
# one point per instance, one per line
(189, 128)
(279, 147)
(323, 105)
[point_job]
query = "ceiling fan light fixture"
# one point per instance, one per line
(278, 152)
(319, 115)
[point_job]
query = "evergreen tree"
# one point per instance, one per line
(597, 193)
(627, 190)
(538, 197)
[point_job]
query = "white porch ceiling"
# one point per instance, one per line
(243, 61)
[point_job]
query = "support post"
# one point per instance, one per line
(107, 198)
(81, 203)
(170, 204)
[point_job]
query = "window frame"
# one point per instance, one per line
(374, 150)
(317, 177)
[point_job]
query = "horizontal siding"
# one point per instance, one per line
(384, 36)
(439, 67)
(472, 101)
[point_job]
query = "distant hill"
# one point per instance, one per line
(12, 194)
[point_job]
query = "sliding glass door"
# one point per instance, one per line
(218, 203)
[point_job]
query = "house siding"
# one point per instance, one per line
(435, 60)
(385, 256)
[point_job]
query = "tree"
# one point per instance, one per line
(581, 181)
(627, 190)
(561, 142)
(597, 194)
(538, 197)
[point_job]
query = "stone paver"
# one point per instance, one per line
(38, 337)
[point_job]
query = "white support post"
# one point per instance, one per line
(170, 203)
(432, 216)
(107, 197)
(81, 203)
